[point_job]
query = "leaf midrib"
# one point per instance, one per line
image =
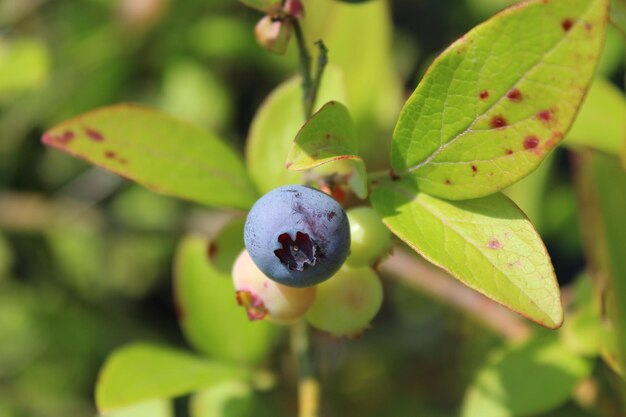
(441, 148)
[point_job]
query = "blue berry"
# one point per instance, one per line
(297, 236)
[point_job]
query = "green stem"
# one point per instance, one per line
(308, 386)
(310, 84)
(322, 60)
(305, 65)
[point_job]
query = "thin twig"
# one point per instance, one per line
(416, 273)
(305, 66)
(308, 387)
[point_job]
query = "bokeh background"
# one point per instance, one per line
(86, 258)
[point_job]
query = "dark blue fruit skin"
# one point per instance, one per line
(309, 218)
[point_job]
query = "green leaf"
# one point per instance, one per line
(208, 312)
(498, 100)
(328, 136)
(374, 106)
(601, 182)
(23, 65)
(232, 399)
(487, 243)
(276, 124)
(618, 15)
(524, 380)
(141, 372)
(261, 5)
(158, 151)
(152, 408)
(601, 122)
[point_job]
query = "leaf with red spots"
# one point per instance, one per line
(486, 243)
(522, 74)
(158, 151)
(329, 136)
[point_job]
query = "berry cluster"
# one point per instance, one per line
(306, 257)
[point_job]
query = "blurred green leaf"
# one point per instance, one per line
(601, 182)
(138, 208)
(193, 92)
(6, 258)
(159, 152)
(485, 8)
(232, 399)
(23, 65)
(260, 5)
(21, 334)
(373, 105)
(140, 372)
(612, 57)
(208, 312)
(152, 408)
(498, 100)
(276, 124)
(224, 248)
(488, 244)
(583, 331)
(524, 380)
(601, 122)
(618, 15)
(329, 135)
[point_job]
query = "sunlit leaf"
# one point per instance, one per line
(208, 312)
(141, 372)
(277, 123)
(601, 122)
(525, 380)
(487, 243)
(158, 151)
(328, 136)
(498, 100)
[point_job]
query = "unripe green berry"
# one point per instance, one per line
(264, 298)
(346, 303)
(370, 238)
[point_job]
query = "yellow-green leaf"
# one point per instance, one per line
(329, 135)
(142, 372)
(499, 99)
(487, 243)
(277, 123)
(159, 152)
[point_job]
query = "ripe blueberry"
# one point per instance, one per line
(266, 299)
(345, 304)
(297, 236)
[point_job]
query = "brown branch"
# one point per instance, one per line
(420, 275)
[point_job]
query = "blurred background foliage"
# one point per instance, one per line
(86, 259)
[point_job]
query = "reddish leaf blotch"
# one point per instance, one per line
(498, 122)
(94, 134)
(515, 95)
